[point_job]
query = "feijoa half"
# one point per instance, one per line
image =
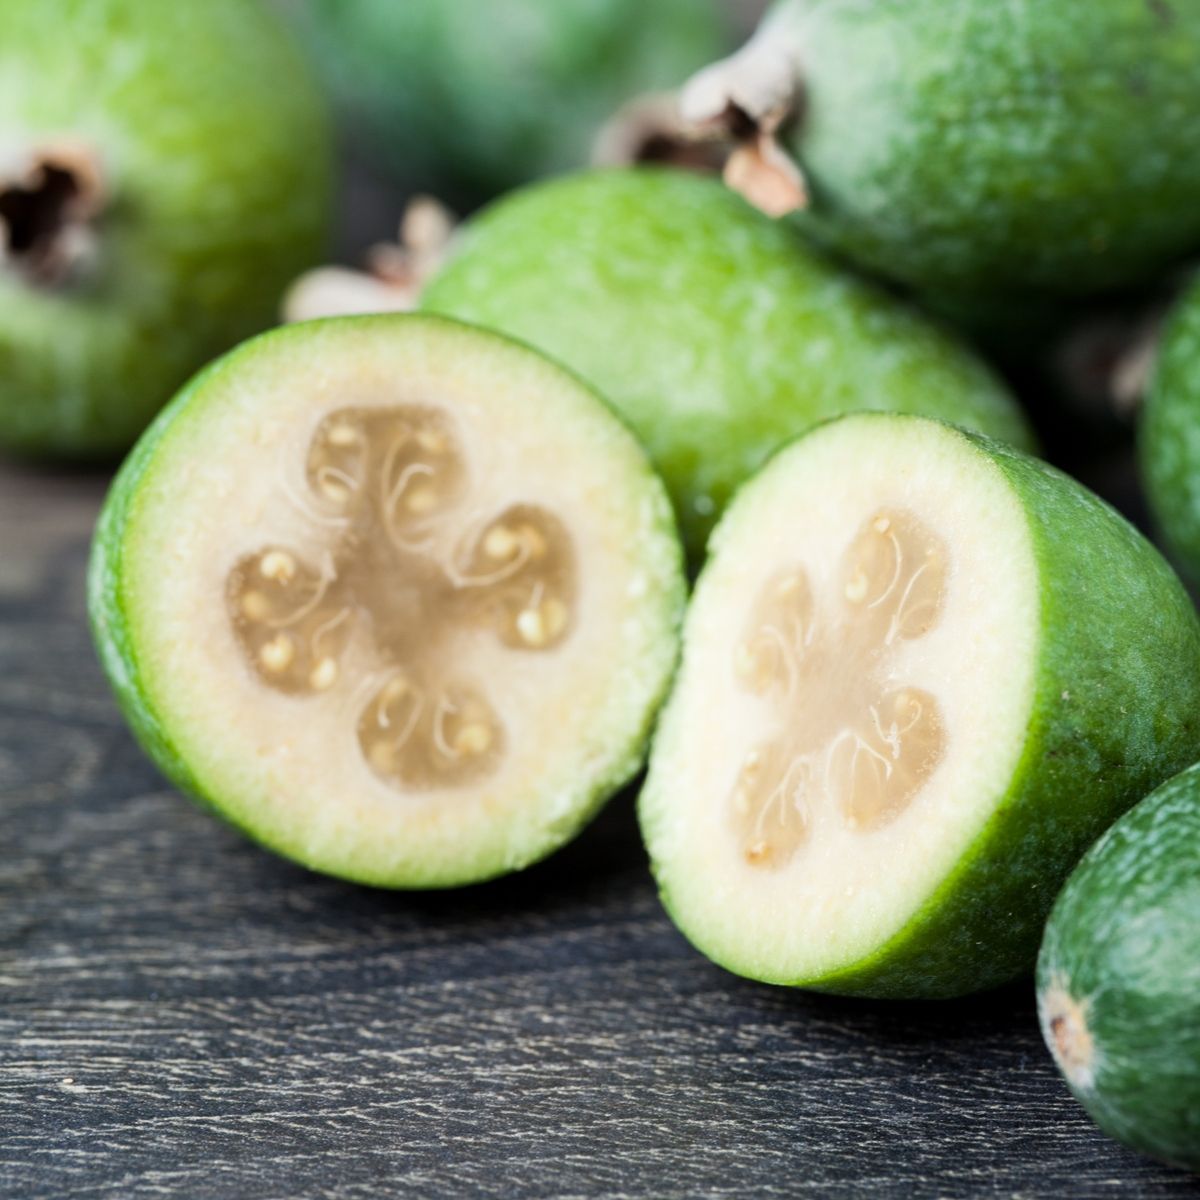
(397, 597)
(921, 673)
(1119, 976)
(710, 327)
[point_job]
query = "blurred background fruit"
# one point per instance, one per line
(165, 169)
(471, 97)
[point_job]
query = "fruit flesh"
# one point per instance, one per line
(433, 577)
(846, 736)
(386, 483)
(711, 330)
(927, 874)
(1119, 976)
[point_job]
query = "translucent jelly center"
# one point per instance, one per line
(411, 562)
(851, 737)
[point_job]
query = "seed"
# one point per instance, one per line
(255, 606)
(881, 525)
(741, 801)
(342, 434)
(324, 675)
(531, 625)
(396, 690)
(279, 566)
(856, 589)
(278, 653)
(555, 614)
(421, 500)
(337, 492)
(433, 441)
(535, 543)
(757, 852)
(500, 542)
(382, 757)
(473, 739)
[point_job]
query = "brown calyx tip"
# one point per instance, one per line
(744, 102)
(1064, 1022)
(396, 272)
(650, 129)
(49, 202)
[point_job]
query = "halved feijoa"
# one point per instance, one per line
(921, 673)
(1119, 976)
(396, 596)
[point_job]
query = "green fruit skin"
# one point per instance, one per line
(710, 328)
(109, 610)
(476, 96)
(216, 150)
(1170, 435)
(1116, 711)
(1124, 940)
(997, 155)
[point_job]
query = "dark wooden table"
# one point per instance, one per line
(183, 1015)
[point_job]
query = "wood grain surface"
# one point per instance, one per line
(183, 1015)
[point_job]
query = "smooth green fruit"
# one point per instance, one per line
(1170, 434)
(921, 673)
(988, 155)
(164, 173)
(471, 97)
(711, 329)
(397, 597)
(1119, 977)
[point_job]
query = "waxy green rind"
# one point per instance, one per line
(1170, 435)
(1116, 711)
(214, 145)
(710, 328)
(1123, 943)
(997, 154)
(146, 480)
(476, 96)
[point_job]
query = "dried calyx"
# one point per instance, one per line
(849, 738)
(49, 203)
(745, 101)
(394, 276)
(409, 564)
(651, 130)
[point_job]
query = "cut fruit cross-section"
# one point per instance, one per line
(432, 578)
(921, 673)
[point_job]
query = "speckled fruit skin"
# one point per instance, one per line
(1116, 712)
(215, 146)
(1170, 435)
(706, 324)
(1124, 941)
(990, 154)
(472, 97)
(110, 588)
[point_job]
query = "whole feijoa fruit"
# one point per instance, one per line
(397, 597)
(1119, 976)
(1170, 434)
(164, 172)
(712, 330)
(476, 96)
(921, 673)
(987, 155)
